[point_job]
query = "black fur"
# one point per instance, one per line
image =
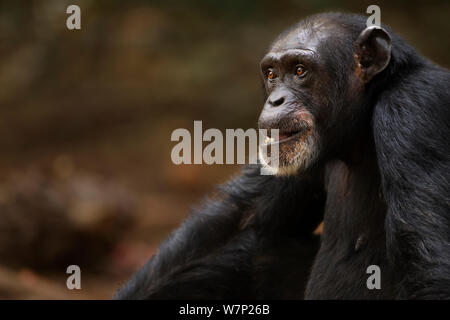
(384, 196)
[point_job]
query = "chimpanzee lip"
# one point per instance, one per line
(286, 136)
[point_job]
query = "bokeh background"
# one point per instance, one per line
(86, 118)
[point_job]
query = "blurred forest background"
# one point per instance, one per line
(86, 118)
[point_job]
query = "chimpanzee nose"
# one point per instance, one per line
(276, 100)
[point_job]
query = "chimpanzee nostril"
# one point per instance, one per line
(277, 101)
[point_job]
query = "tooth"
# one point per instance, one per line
(268, 140)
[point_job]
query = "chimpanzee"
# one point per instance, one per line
(364, 123)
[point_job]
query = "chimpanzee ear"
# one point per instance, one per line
(373, 51)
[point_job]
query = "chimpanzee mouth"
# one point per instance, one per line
(283, 137)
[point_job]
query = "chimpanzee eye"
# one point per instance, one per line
(300, 71)
(270, 74)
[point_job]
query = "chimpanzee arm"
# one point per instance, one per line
(212, 255)
(411, 128)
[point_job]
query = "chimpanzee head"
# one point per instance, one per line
(316, 77)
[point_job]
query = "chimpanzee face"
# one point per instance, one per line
(314, 79)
